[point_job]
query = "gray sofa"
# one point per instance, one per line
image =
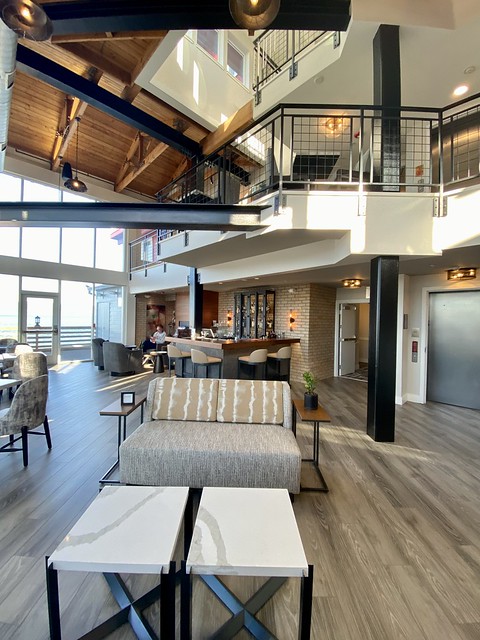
(200, 432)
(120, 361)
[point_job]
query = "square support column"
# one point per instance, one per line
(195, 300)
(382, 348)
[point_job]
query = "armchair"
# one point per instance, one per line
(119, 360)
(27, 411)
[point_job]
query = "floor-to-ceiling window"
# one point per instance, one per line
(58, 314)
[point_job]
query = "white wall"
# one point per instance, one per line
(193, 82)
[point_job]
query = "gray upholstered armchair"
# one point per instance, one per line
(29, 365)
(119, 360)
(97, 352)
(27, 411)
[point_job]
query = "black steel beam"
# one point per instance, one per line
(131, 215)
(37, 66)
(85, 16)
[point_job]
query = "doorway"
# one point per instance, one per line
(353, 336)
(39, 321)
(453, 358)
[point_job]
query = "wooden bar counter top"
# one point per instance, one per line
(229, 350)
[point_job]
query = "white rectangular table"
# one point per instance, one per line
(126, 529)
(246, 532)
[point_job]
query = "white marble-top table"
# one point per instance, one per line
(246, 532)
(125, 530)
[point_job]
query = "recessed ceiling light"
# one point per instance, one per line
(469, 69)
(460, 90)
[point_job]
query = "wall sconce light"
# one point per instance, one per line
(229, 317)
(462, 273)
(291, 320)
(352, 283)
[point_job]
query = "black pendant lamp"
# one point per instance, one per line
(254, 14)
(26, 18)
(73, 182)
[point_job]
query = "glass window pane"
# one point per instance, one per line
(9, 308)
(77, 246)
(36, 192)
(47, 285)
(109, 249)
(235, 62)
(10, 188)
(207, 39)
(40, 243)
(76, 320)
(68, 196)
(10, 244)
(108, 312)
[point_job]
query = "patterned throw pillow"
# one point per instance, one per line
(185, 399)
(250, 401)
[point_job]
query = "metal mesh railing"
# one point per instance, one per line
(275, 50)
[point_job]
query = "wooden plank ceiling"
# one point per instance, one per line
(43, 124)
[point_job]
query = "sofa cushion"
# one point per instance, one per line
(250, 401)
(211, 454)
(185, 399)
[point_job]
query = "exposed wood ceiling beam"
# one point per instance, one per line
(131, 169)
(144, 58)
(221, 217)
(99, 37)
(180, 170)
(38, 66)
(228, 129)
(74, 108)
(84, 16)
(100, 61)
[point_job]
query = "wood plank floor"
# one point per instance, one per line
(395, 543)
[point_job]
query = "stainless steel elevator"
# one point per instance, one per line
(453, 373)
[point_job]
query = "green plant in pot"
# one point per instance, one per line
(310, 398)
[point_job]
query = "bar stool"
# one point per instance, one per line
(175, 354)
(278, 361)
(256, 361)
(199, 358)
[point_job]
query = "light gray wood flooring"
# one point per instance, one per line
(395, 543)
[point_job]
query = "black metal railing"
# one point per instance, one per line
(362, 148)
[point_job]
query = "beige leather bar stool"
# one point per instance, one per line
(200, 359)
(175, 354)
(278, 364)
(255, 364)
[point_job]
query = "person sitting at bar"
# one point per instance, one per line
(159, 337)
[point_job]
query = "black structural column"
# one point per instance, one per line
(387, 93)
(195, 300)
(382, 348)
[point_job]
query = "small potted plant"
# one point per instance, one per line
(310, 398)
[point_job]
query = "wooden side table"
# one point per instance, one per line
(316, 416)
(121, 411)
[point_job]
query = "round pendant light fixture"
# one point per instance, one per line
(254, 14)
(26, 18)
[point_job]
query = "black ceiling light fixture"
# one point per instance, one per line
(254, 14)
(71, 182)
(26, 18)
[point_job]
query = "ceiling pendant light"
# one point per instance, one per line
(254, 14)
(73, 183)
(26, 18)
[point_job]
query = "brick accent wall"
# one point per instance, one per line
(313, 308)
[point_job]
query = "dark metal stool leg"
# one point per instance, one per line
(53, 602)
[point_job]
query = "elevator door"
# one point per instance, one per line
(453, 374)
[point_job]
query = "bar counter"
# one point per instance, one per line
(229, 350)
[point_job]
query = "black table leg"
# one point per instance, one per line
(53, 602)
